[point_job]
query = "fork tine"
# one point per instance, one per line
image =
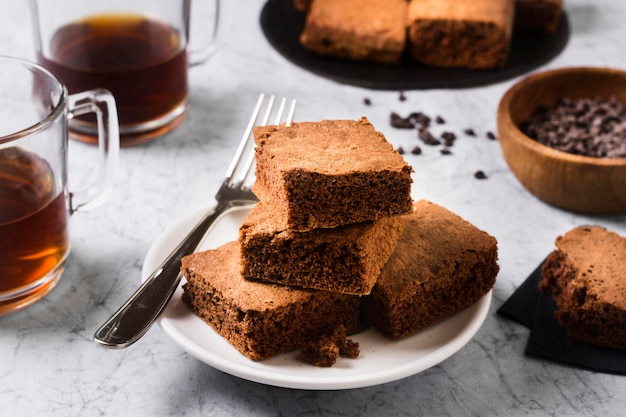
(245, 138)
(247, 167)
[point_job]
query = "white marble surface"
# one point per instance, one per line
(50, 366)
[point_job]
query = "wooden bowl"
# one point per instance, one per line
(576, 183)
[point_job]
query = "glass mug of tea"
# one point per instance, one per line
(35, 203)
(137, 49)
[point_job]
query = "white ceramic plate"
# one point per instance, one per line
(381, 360)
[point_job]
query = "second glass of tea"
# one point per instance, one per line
(136, 49)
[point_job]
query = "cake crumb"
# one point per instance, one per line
(325, 351)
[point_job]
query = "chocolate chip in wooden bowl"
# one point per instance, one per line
(592, 127)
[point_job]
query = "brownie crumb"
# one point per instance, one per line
(322, 353)
(491, 136)
(480, 175)
(416, 150)
(325, 351)
(469, 132)
(350, 349)
(439, 120)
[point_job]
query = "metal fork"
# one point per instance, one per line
(142, 309)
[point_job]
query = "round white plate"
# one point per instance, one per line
(381, 359)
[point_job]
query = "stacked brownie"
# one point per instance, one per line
(334, 239)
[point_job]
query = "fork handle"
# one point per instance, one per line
(137, 315)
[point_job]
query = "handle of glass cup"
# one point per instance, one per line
(102, 104)
(199, 28)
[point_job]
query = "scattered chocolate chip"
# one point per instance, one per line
(400, 150)
(446, 151)
(480, 175)
(469, 132)
(448, 138)
(419, 118)
(439, 120)
(367, 101)
(400, 122)
(427, 137)
(416, 150)
(589, 127)
(491, 136)
(401, 96)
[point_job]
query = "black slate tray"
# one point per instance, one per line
(282, 26)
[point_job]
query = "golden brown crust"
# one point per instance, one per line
(449, 33)
(356, 29)
(441, 265)
(585, 276)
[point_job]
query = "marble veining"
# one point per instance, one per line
(49, 365)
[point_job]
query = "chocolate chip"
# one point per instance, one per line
(419, 118)
(448, 138)
(445, 151)
(427, 137)
(416, 150)
(491, 136)
(400, 122)
(469, 132)
(480, 175)
(439, 120)
(400, 150)
(367, 101)
(401, 96)
(593, 127)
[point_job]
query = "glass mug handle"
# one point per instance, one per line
(102, 103)
(211, 11)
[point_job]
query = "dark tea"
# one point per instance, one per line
(142, 62)
(33, 222)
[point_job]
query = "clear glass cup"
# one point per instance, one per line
(35, 202)
(137, 49)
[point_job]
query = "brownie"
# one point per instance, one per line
(537, 16)
(329, 173)
(345, 259)
(260, 320)
(356, 29)
(585, 275)
(473, 34)
(441, 265)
